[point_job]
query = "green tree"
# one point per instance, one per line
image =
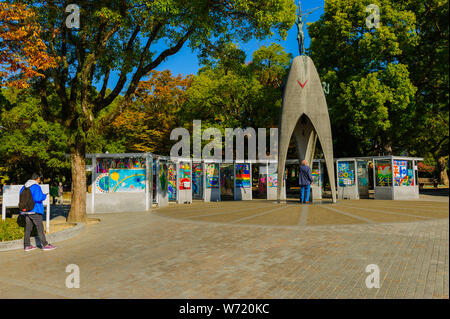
(146, 125)
(371, 96)
(122, 36)
(229, 93)
(429, 66)
(271, 64)
(28, 143)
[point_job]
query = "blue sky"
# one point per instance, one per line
(185, 61)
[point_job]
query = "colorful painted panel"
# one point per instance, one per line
(197, 180)
(384, 173)
(212, 175)
(105, 164)
(346, 175)
(273, 180)
(102, 183)
(410, 177)
(243, 175)
(185, 175)
(402, 176)
(316, 176)
(172, 187)
(163, 177)
(126, 180)
(363, 174)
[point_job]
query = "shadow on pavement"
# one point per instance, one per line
(434, 191)
(59, 210)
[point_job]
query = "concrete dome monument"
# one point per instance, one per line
(304, 114)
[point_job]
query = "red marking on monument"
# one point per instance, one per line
(302, 85)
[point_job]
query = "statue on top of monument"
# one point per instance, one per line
(301, 18)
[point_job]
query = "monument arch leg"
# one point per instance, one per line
(326, 142)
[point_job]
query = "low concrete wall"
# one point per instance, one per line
(406, 192)
(316, 192)
(212, 194)
(383, 193)
(243, 193)
(272, 193)
(348, 192)
(116, 202)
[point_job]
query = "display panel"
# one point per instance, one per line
(197, 180)
(403, 173)
(212, 175)
(384, 173)
(243, 175)
(172, 181)
(346, 173)
(272, 177)
(315, 171)
(126, 180)
(185, 175)
(163, 178)
(103, 165)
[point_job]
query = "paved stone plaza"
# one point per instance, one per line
(257, 249)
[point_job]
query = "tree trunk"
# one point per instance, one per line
(78, 206)
(443, 177)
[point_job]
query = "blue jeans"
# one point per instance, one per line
(303, 198)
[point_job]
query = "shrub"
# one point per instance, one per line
(10, 230)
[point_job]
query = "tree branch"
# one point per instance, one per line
(101, 101)
(137, 77)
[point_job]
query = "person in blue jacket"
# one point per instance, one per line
(34, 216)
(305, 180)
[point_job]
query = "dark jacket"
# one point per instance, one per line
(305, 175)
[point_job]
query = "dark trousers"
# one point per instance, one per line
(36, 220)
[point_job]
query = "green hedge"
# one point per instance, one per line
(13, 228)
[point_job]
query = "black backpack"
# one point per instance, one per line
(26, 202)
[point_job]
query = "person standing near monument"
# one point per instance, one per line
(60, 194)
(32, 194)
(305, 180)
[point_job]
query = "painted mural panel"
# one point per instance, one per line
(126, 180)
(346, 173)
(243, 175)
(102, 183)
(105, 164)
(172, 187)
(212, 175)
(163, 172)
(402, 175)
(197, 180)
(384, 173)
(185, 175)
(272, 177)
(317, 177)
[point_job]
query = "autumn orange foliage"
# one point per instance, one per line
(148, 123)
(22, 52)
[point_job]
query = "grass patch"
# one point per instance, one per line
(13, 228)
(10, 229)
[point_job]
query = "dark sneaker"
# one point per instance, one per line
(48, 247)
(29, 248)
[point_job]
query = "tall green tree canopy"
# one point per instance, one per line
(389, 84)
(229, 93)
(371, 92)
